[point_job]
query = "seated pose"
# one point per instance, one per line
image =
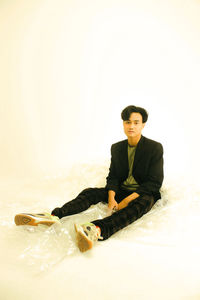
(133, 185)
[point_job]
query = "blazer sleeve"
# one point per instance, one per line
(154, 177)
(112, 180)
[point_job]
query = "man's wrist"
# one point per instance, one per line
(128, 199)
(111, 195)
(111, 199)
(133, 196)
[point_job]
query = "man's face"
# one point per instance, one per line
(133, 127)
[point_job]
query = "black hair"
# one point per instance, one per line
(126, 112)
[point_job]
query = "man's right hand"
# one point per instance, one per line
(112, 204)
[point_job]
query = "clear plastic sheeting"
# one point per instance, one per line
(160, 248)
(39, 247)
(172, 222)
(45, 246)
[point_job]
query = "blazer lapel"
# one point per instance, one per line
(138, 152)
(124, 158)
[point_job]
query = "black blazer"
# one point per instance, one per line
(147, 166)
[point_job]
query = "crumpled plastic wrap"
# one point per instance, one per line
(45, 246)
(172, 222)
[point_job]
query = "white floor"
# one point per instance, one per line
(157, 257)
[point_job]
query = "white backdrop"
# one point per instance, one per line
(68, 68)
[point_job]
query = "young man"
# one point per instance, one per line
(133, 184)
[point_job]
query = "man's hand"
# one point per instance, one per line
(112, 203)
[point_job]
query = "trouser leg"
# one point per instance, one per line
(82, 202)
(122, 218)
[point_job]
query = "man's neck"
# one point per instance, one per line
(134, 141)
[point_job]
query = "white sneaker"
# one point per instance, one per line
(36, 219)
(86, 235)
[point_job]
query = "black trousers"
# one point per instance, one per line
(118, 220)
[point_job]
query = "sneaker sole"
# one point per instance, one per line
(22, 219)
(83, 242)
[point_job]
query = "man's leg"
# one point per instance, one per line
(82, 202)
(122, 218)
(88, 233)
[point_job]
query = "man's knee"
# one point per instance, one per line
(95, 195)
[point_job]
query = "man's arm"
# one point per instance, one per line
(112, 183)
(128, 199)
(154, 178)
